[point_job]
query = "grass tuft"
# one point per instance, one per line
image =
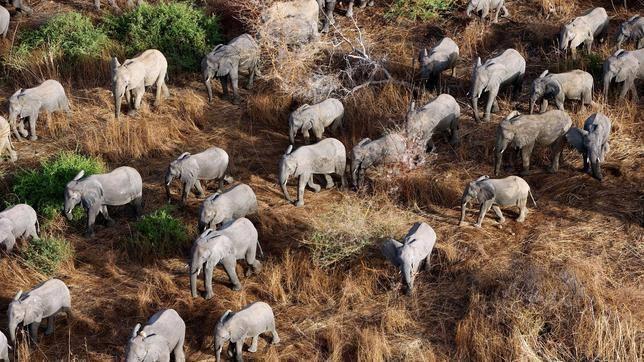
(47, 255)
(418, 9)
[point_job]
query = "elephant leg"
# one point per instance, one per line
(523, 209)
(179, 356)
(234, 79)
(50, 326)
(251, 79)
(33, 331)
(557, 148)
(128, 98)
(187, 186)
(485, 207)
(230, 268)
(490, 102)
(91, 220)
(526, 152)
(207, 279)
(306, 135)
(9, 243)
(159, 90)
(251, 259)
(329, 181)
(304, 178)
(21, 127)
(224, 86)
(106, 215)
(343, 179)
(138, 207)
(253, 344)
(276, 337)
(496, 17)
(350, 9)
(318, 132)
(499, 214)
(427, 259)
(311, 183)
(544, 105)
(238, 350)
(200, 192)
(32, 127)
(166, 91)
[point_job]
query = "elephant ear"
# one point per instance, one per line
(618, 52)
(512, 115)
(79, 175)
(289, 150)
(390, 251)
(575, 138)
(33, 311)
(226, 66)
(625, 71)
(92, 197)
(183, 156)
(364, 141)
(552, 87)
(485, 192)
(238, 333)
(227, 314)
(15, 95)
(477, 63)
(114, 64)
(29, 106)
(18, 295)
(484, 177)
(205, 233)
(545, 72)
(135, 331)
(633, 18)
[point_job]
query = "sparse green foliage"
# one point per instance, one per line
(418, 9)
(46, 255)
(158, 233)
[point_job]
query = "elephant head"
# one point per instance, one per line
(81, 191)
(146, 348)
(210, 248)
(288, 167)
(473, 5)
(23, 309)
(426, 65)
(475, 190)
(566, 35)
(619, 67)
(481, 80)
(403, 257)
(625, 31)
(20, 5)
(120, 84)
(297, 120)
(505, 134)
(590, 145)
(209, 213)
(361, 159)
(21, 105)
(178, 169)
(228, 328)
(542, 87)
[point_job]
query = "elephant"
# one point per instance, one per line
(592, 142)
(441, 57)
(6, 147)
(325, 157)
(211, 164)
(625, 67)
(226, 61)
(507, 68)
(4, 21)
(317, 117)
(255, 319)
(164, 333)
(292, 22)
(20, 6)
(235, 241)
(96, 192)
(43, 301)
(576, 84)
(583, 30)
(49, 97)
(496, 193)
(130, 79)
(4, 348)
(439, 115)
(414, 251)
(524, 131)
(390, 148)
(329, 6)
(16, 222)
(632, 29)
(484, 6)
(220, 208)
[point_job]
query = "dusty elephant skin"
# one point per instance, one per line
(221, 208)
(235, 241)
(485, 6)
(255, 319)
(315, 118)
(96, 192)
(367, 153)
(524, 131)
(20, 6)
(130, 79)
(576, 85)
(4, 348)
(414, 252)
(439, 115)
(6, 147)
(43, 301)
(496, 193)
(505, 69)
(632, 30)
(48, 97)
(19, 221)
(292, 22)
(211, 164)
(583, 30)
(624, 67)
(162, 335)
(328, 6)
(441, 57)
(226, 61)
(592, 142)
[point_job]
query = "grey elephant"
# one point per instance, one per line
(6, 147)
(632, 30)
(211, 164)
(316, 118)
(4, 21)
(4, 348)
(162, 335)
(19, 221)
(255, 319)
(329, 7)
(592, 142)
(96, 192)
(47, 97)
(414, 252)
(20, 6)
(235, 241)
(226, 61)
(524, 131)
(583, 30)
(45, 300)
(505, 69)
(220, 208)
(439, 115)
(130, 79)
(496, 193)
(624, 67)
(390, 148)
(441, 57)
(576, 85)
(485, 6)
(323, 158)
(292, 22)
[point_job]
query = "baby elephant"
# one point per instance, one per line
(315, 118)
(592, 142)
(441, 57)
(6, 147)
(492, 193)
(523, 132)
(255, 319)
(583, 30)
(16, 222)
(164, 333)
(413, 252)
(439, 115)
(484, 6)
(43, 301)
(367, 153)
(236, 202)
(211, 164)
(4, 348)
(625, 67)
(576, 84)
(632, 29)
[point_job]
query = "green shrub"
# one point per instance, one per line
(46, 255)
(44, 188)
(418, 9)
(181, 32)
(158, 233)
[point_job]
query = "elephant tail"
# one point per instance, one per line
(261, 252)
(534, 202)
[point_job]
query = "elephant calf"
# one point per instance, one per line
(255, 319)
(221, 208)
(492, 193)
(43, 301)
(211, 164)
(6, 147)
(292, 22)
(414, 251)
(16, 222)
(441, 57)
(625, 67)
(583, 30)
(315, 118)
(4, 348)
(576, 84)
(592, 142)
(325, 157)
(632, 29)
(163, 334)
(367, 153)
(439, 115)
(524, 131)
(235, 241)
(484, 6)
(47, 97)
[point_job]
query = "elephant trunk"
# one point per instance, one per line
(194, 273)
(469, 10)
(595, 168)
(407, 277)
(475, 109)
(218, 347)
(117, 105)
(463, 208)
(168, 181)
(608, 77)
(533, 101)
(12, 331)
(283, 180)
(620, 40)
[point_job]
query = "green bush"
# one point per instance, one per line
(44, 188)
(418, 9)
(46, 255)
(158, 233)
(181, 32)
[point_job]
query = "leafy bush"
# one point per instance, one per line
(46, 255)
(44, 188)
(181, 32)
(158, 233)
(418, 9)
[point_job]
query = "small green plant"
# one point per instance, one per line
(46, 255)
(418, 9)
(158, 233)
(595, 65)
